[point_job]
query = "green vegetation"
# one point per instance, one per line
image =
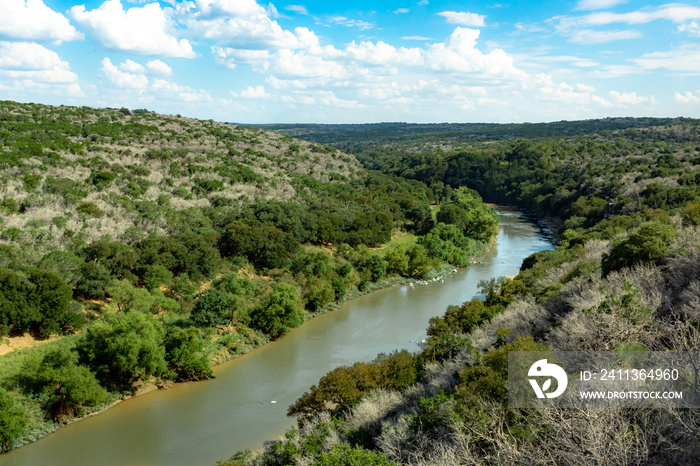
(623, 196)
(155, 246)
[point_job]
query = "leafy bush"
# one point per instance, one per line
(212, 307)
(280, 312)
(124, 348)
(12, 420)
(645, 245)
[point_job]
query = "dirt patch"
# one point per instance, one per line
(9, 344)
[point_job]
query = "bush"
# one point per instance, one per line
(12, 421)
(645, 245)
(280, 312)
(90, 209)
(66, 388)
(212, 307)
(124, 348)
(183, 351)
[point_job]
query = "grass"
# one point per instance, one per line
(399, 239)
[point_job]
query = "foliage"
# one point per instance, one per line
(65, 387)
(12, 420)
(185, 355)
(124, 348)
(280, 312)
(647, 244)
(212, 307)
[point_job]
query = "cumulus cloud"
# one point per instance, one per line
(687, 98)
(130, 66)
(623, 99)
(692, 28)
(250, 92)
(32, 19)
(168, 90)
(459, 54)
(123, 79)
(159, 67)
(26, 66)
(464, 18)
(401, 11)
(146, 30)
(381, 53)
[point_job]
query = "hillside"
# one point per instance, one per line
(137, 249)
(79, 172)
(624, 277)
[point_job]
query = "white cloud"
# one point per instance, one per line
(381, 53)
(421, 38)
(684, 59)
(460, 55)
(27, 67)
(675, 12)
(130, 66)
(692, 28)
(257, 31)
(122, 79)
(146, 30)
(300, 9)
(257, 92)
(169, 90)
(401, 11)
(159, 67)
(687, 98)
(464, 18)
(598, 4)
(356, 23)
(32, 19)
(242, 8)
(622, 99)
(590, 36)
(423, 2)
(300, 64)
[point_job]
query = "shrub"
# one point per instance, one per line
(90, 209)
(12, 421)
(124, 348)
(645, 245)
(183, 351)
(212, 307)
(280, 312)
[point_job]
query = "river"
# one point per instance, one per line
(198, 423)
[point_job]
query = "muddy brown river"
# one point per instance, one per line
(199, 423)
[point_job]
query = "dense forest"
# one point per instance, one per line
(625, 276)
(138, 249)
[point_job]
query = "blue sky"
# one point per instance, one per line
(355, 62)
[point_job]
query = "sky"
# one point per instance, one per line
(313, 61)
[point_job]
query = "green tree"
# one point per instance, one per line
(66, 387)
(280, 312)
(647, 244)
(185, 356)
(345, 455)
(129, 298)
(212, 307)
(12, 420)
(124, 348)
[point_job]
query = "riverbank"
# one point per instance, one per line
(40, 428)
(192, 423)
